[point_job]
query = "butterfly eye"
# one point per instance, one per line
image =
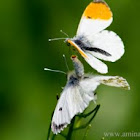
(68, 44)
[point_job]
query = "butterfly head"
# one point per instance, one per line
(68, 42)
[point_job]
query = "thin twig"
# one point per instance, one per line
(69, 136)
(63, 135)
(49, 130)
(53, 137)
(85, 125)
(88, 114)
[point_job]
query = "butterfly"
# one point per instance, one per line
(92, 41)
(78, 93)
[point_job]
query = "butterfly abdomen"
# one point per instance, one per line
(78, 66)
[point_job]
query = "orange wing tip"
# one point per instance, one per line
(98, 10)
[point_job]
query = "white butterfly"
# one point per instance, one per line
(78, 93)
(92, 41)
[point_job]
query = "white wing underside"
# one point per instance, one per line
(106, 41)
(90, 27)
(73, 100)
(96, 64)
(94, 81)
(114, 81)
(109, 42)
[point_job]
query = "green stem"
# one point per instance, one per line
(97, 108)
(85, 125)
(88, 114)
(53, 137)
(63, 135)
(69, 136)
(49, 130)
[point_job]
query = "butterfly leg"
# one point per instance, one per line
(57, 97)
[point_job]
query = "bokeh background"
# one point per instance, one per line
(28, 93)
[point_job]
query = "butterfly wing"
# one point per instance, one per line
(114, 81)
(73, 100)
(96, 17)
(92, 82)
(106, 45)
(95, 63)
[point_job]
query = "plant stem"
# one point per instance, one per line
(69, 136)
(97, 108)
(88, 114)
(85, 125)
(49, 130)
(53, 137)
(63, 135)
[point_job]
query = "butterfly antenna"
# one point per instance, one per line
(64, 33)
(66, 62)
(59, 71)
(54, 39)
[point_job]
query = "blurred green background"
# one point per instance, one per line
(28, 93)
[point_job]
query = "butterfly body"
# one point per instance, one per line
(73, 80)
